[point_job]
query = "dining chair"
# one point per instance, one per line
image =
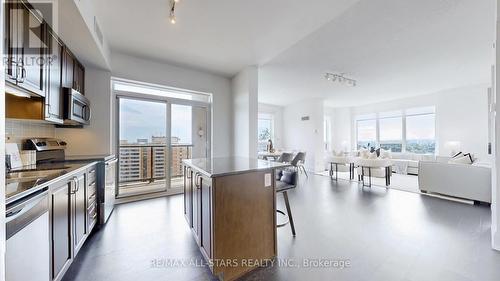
(285, 157)
(298, 162)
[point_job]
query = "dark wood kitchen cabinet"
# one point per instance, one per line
(25, 33)
(199, 203)
(188, 195)
(60, 203)
(73, 72)
(196, 228)
(79, 206)
(79, 77)
(69, 209)
(205, 184)
(67, 68)
(234, 212)
(53, 98)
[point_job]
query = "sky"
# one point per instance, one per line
(143, 119)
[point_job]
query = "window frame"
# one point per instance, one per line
(404, 113)
(271, 118)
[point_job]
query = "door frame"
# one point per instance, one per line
(168, 101)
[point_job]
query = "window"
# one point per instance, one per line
(421, 130)
(265, 131)
(411, 130)
(391, 131)
(366, 131)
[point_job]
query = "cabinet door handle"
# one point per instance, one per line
(23, 74)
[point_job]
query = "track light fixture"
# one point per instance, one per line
(172, 17)
(340, 78)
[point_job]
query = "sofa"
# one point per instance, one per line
(408, 163)
(468, 181)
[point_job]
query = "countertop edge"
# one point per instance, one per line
(185, 162)
(41, 186)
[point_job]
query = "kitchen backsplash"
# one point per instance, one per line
(18, 130)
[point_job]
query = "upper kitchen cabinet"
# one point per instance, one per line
(79, 77)
(53, 99)
(25, 34)
(73, 72)
(68, 64)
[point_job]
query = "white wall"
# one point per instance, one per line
(461, 115)
(245, 112)
(495, 210)
(96, 138)
(342, 133)
(307, 135)
(133, 68)
(277, 112)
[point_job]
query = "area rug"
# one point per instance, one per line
(408, 183)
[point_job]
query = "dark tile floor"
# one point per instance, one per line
(384, 234)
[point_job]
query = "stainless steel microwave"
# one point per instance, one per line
(76, 108)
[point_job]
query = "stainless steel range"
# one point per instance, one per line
(53, 150)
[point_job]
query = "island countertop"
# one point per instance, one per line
(223, 166)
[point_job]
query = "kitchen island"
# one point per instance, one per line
(230, 206)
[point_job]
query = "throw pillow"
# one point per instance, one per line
(288, 177)
(378, 152)
(471, 157)
(373, 155)
(279, 174)
(385, 154)
(363, 153)
(461, 160)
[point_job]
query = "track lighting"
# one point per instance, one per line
(172, 17)
(340, 78)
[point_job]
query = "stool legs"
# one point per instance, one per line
(289, 211)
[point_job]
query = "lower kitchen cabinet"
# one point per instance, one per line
(201, 204)
(79, 205)
(188, 195)
(206, 216)
(233, 213)
(73, 209)
(60, 207)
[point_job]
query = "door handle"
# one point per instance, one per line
(23, 74)
(75, 185)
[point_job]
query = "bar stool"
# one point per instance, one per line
(287, 180)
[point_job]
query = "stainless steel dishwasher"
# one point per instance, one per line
(108, 189)
(28, 248)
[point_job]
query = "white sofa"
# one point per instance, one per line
(466, 181)
(410, 161)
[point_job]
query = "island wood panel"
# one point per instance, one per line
(244, 221)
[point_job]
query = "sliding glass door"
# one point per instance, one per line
(154, 135)
(143, 146)
(189, 136)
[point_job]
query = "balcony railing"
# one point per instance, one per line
(148, 163)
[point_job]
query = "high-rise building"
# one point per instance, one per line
(142, 161)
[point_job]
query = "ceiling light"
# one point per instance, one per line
(172, 17)
(340, 78)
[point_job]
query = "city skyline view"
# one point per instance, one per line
(146, 119)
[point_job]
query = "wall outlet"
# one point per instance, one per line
(267, 180)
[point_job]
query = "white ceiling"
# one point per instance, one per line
(221, 36)
(394, 48)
